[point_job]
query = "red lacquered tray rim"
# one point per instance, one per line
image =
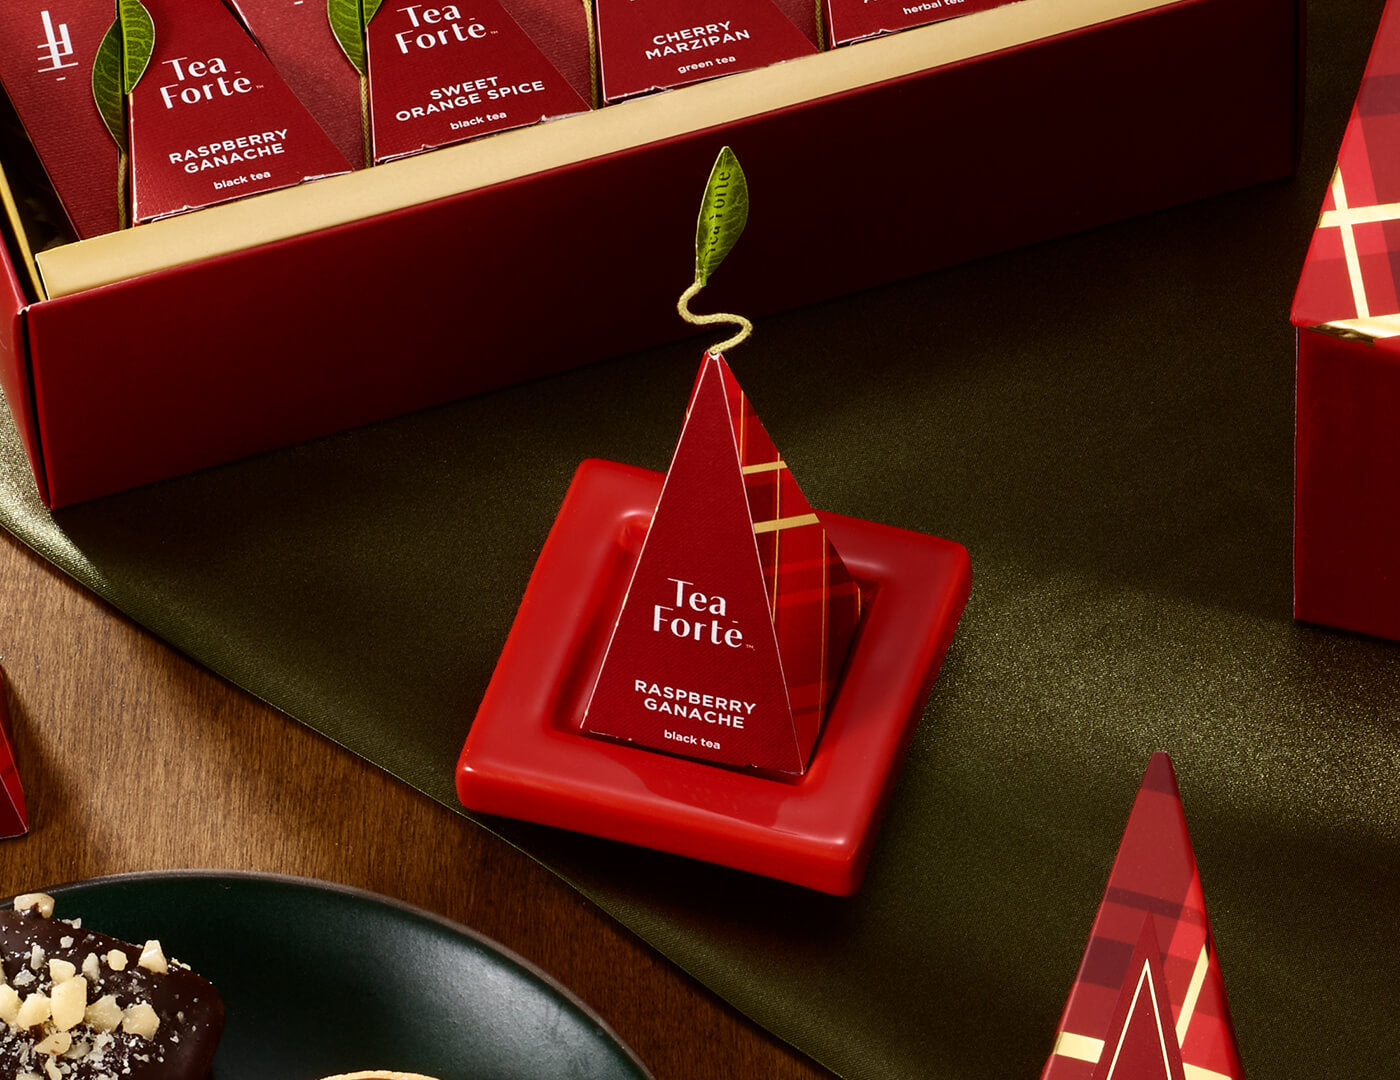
(520, 759)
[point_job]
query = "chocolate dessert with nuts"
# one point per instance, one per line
(78, 1005)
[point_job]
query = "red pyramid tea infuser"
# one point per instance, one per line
(704, 664)
(740, 613)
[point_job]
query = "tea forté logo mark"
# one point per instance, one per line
(214, 85)
(56, 47)
(664, 617)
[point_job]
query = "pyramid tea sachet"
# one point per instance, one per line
(210, 119)
(646, 45)
(438, 74)
(740, 613)
(47, 48)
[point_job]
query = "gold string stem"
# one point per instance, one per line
(365, 120)
(123, 191)
(745, 327)
(594, 85)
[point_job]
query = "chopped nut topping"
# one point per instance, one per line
(49, 1028)
(69, 1002)
(140, 1019)
(33, 1011)
(57, 1043)
(103, 1014)
(153, 958)
(9, 1004)
(42, 901)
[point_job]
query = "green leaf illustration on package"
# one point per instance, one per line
(349, 21)
(724, 211)
(121, 60)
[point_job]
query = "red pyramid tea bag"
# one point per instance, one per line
(740, 613)
(211, 120)
(443, 73)
(855, 20)
(1148, 1001)
(46, 54)
(646, 45)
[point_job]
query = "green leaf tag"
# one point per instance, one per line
(120, 62)
(723, 213)
(107, 84)
(344, 16)
(138, 40)
(349, 21)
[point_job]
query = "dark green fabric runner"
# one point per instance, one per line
(1106, 423)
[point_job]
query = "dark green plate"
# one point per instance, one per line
(320, 979)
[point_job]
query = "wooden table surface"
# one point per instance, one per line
(135, 758)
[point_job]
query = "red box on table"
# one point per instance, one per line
(1347, 315)
(197, 340)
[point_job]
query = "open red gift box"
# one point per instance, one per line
(200, 339)
(1347, 315)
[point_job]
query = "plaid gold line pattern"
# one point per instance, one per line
(779, 524)
(1351, 278)
(1349, 255)
(1154, 876)
(1195, 1072)
(1357, 215)
(814, 602)
(1193, 994)
(1147, 983)
(1079, 1047)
